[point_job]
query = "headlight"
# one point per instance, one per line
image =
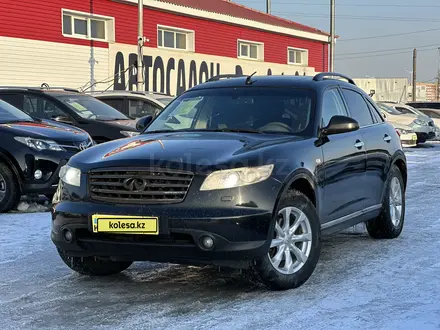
(420, 122)
(70, 175)
(129, 133)
(237, 177)
(404, 131)
(39, 144)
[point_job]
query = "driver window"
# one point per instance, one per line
(41, 108)
(332, 105)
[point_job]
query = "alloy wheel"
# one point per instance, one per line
(2, 188)
(292, 242)
(395, 201)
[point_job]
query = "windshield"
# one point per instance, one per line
(388, 109)
(9, 113)
(165, 100)
(250, 109)
(417, 111)
(89, 107)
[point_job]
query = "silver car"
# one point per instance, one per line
(421, 124)
(134, 104)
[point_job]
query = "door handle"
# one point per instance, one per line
(387, 138)
(359, 144)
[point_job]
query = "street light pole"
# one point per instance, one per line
(268, 9)
(332, 35)
(140, 76)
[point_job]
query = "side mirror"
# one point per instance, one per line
(143, 122)
(63, 119)
(340, 124)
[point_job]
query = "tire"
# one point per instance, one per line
(94, 267)
(9, 189)
(280, 277)
(385, 226)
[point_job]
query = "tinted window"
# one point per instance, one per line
(277, 110)
(40, 107)
(90, 108)
(14, 99)
(10, 113)
(357, 107)
(118, 104)
(139, 108)
(332, 105)
(388, 109)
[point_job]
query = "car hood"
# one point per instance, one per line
(207, 149)
(404, 119)
(400, 126)
(45, 130)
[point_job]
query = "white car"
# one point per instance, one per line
(408, 138)
(422, 125)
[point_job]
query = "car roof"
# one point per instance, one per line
(306, 82)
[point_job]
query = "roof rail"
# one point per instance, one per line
(321, 76)
(225, 76)
(67, 89)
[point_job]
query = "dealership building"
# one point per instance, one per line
(77, 43)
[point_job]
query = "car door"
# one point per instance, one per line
(378, 141)
(344, 163)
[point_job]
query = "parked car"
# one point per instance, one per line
(423, 127)
(425, 105)
(134, 104)
(408, 137)
(239, 186)
(434, 114)
(68, 106)
(32, 153)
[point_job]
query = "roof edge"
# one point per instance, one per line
(208, 15)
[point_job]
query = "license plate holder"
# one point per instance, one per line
(125, 224)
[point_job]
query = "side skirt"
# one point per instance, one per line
(351, 220)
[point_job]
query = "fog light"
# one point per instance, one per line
(38, 174)
(207, 242)
(68, 235)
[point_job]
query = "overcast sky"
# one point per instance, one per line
(372, 18)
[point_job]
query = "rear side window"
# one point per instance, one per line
(332, 105)
(139, 108)
(118, 104)
(357, 107)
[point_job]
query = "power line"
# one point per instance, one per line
(371, 18)
(389, 35)
(347, 4)
(389, 50)
(337, 58)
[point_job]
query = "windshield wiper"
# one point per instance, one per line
(17, 121)
(235, 130)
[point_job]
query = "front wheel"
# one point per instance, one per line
(295, 246)
(389, 223)
(92, 266)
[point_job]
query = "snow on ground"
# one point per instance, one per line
(360, 283)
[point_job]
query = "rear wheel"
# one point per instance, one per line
(389, 224)
(9, 189)
(295, 246)
(92, 266)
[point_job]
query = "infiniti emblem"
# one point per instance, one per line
(135, 184)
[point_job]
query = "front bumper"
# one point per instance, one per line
(423, 137)
(239, 234)
(48, 186)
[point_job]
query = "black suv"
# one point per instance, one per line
(244, 172)
(32, 153)
(68, 106)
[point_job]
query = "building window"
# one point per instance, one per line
(175, 38)
(250, 50)
(297, 56)
(88, 26)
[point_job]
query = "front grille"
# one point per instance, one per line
(139, 186)
(77, 146)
